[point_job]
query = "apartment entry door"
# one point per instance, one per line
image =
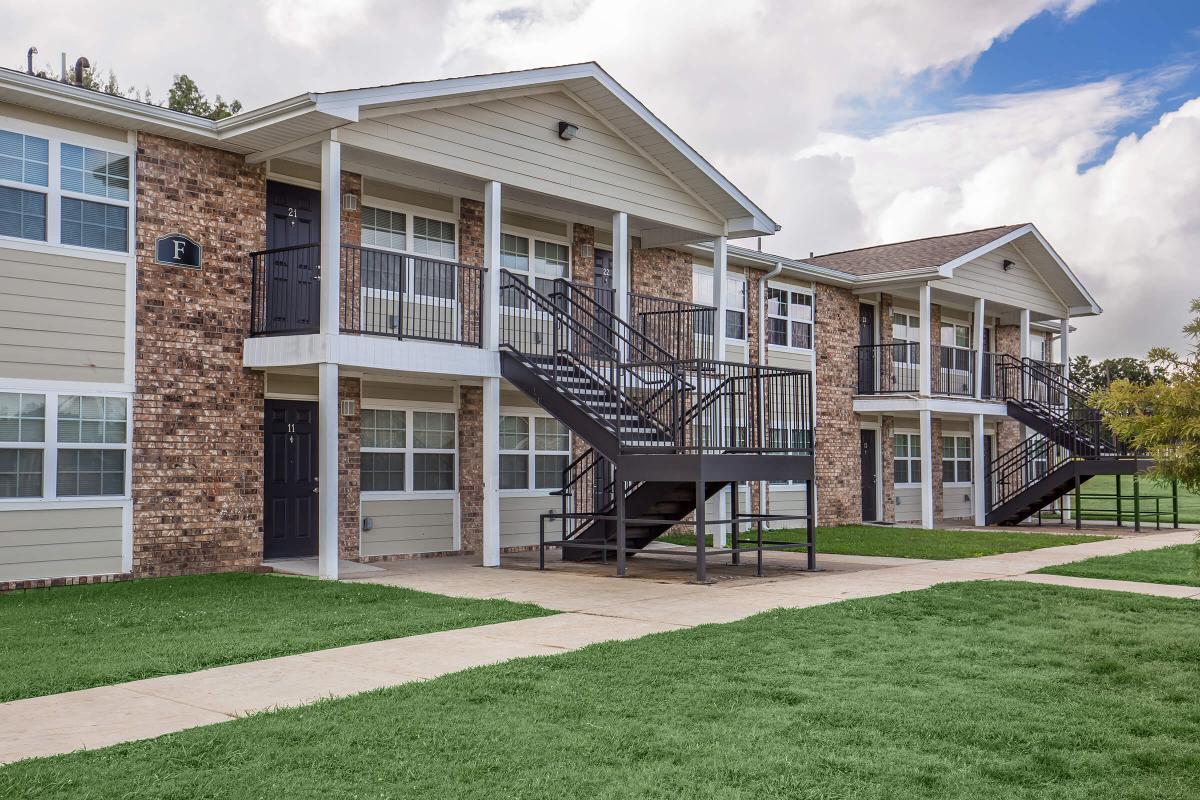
(602, 279)
(290, 480)
(866, 356)
(292, 291)
(868, 449)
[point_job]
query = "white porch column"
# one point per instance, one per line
(1025, 333)
(491, 261)
(327, 373)
(621, 275)
(327, 471)
(926, 469)
(925, 340)
(720, 268)
(491, 472)
(1064, 345)
(331, 234)
(977, 341)
(978, 471)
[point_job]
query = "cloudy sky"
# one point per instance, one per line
(851, 122)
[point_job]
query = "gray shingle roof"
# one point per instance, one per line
(914, 254)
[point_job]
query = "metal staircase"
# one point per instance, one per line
(666, 430)
(1069, 443)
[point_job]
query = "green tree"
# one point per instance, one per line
(1162, 418)
(1094, 375)
(186, 96)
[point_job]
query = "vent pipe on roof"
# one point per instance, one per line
(29, 54)
(62, 73)
(80, 65)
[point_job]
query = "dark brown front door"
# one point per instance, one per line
(293, 232)
(866, 353)
(870, 481)
(290, 502)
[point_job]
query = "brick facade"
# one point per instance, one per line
(935, 468)
(349, 462)
(887, 476)
(470, 467)
(1009, 432)
(661, 272)
(583, 258)
(197, 413)
(838, 468)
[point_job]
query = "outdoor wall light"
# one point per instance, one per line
(1006, 264)
(349, 202)
(567, 131)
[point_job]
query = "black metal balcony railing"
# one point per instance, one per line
(956, 372)
(893, 368)
(382, 294)
(683, 329)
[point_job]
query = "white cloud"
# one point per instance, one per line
(311, 24)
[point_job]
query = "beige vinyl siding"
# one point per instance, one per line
(59, 543)
(519, 519)
(908, 503)
(516, 399)
(402, 527)
(61, 317)
(712, 509)
(281, 383)
(787, 359)
(957, 502)
(1021, 286)
(787, 500)
(515, 141)
(377, 390)
(405, 196)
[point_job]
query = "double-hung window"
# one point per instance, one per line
(407, 450)
(61, 192)
(407, 253)
(63, 445)
(906, 458)
(789, 318)
(24, 185)
(735, 302)
(534, 451)
(956, 459)
(550, 261)
(906, 333)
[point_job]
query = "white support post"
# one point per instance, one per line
(331, 234)
(1064, 345)
(977, 341)
(925, 340)
(491, 472)
(1025, 333)
(978, 471)
(926, 469)
(327, 373)
(621, 274)
(327, 471)
(720, 267)
(491, 261)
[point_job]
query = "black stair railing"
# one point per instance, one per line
(1021, 466)
(683, 329)
(1043, 390)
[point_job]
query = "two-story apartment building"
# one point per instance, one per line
(411, 320)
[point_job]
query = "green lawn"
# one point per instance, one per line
(983, 690)
(876, 540)
(1179, 564)
(1105, 508)
(73, 637)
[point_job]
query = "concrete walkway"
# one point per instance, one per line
(596, 606)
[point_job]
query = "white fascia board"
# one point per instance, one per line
(891, 404)
(1090, 302)
(371, 353)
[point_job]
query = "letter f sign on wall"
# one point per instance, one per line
(177, 250)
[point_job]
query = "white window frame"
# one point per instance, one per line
(54, 193)
(789, 347)
(531, 238)
(956, 437)
(909, 331)
(706, 276)
(531, 417)
(50, 447)
(956, 326)
(408, 493)
(410, 211)
(909, 457)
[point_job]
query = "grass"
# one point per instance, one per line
(875, 540)
(75, 637)
(1179, 565)
(1105, 508)
(983, 690)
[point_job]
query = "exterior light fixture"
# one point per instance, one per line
(349, 202)
(567, 131)
(1006, 264)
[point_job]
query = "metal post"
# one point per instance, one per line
(1137, 501)
(759, 570)
(701, 567)
(541, 542)
(1174, 503)
(1118, 477)
(1078, 506)
(735, 528)
(619, 503)
(810, 514)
